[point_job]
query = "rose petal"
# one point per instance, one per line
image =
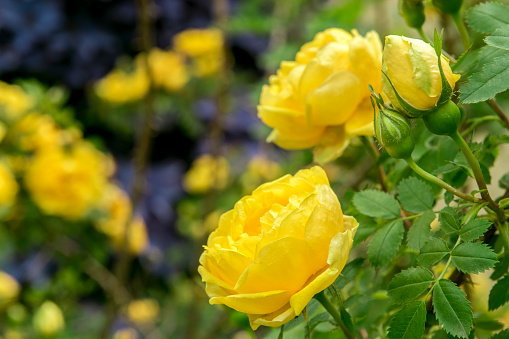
(335, 100)
(365, 63)
(227, 265)
(333, 144)
(274, 319)
(255, 303)
(361, 121)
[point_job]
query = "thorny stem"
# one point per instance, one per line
(417, 169)
(458, 20)
(322, 298)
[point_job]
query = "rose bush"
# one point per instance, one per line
(277, 248)
(321, 99)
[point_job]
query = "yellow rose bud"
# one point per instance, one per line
(143, 311)
(49, 319)
(9, 288)
(67, 181)
(321, 99)
(411, 65)
(277, 248)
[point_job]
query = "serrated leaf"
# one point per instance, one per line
(485, 84)
(487, 17)
(473, 229)
(385, 243)
(409, 322)
(432, 252)
(473, 257)
(499, 38)
(448, 221)
(452, 309)
(475, 61)
(420, 231)
(377, 204)
(414, 195)
(349, 271)
(409, 284)
(499, 294)
(502, 335)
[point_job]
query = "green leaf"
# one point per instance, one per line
(473, 229)
(475, 61)
(452, 309)
(349, 271)
(385, 243)
(473, 257)
(420, 231)
(377, 204)
(409, 322)
(500, 269)
(432, 252)
(414, 195)
(485, 84)
(366, 228)
(502, 335)
(499, 38)
(448, 221)
(499, 294)
(486, 323)
(487, 17)
(409, 284)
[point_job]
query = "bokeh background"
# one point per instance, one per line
(112, 176)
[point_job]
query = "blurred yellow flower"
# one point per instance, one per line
(9, 288)
(13, 100)
(258, 259)
(138, 237)
(48, 319)
(168, 69)
(8, 186)
(322, 99)
(143, 311)
(67, 181)
(120, 87)
(259, 169)
(204, 46)
(207, 173)
(125, 333)
(412, 67)
(36, 131)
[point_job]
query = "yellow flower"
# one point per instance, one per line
(8, 186)
(205, 46)
(207, 173)
(9, 288)
(322, 99)
(138, 238)
(259, 169)
(48, 319)
(67, 181)
(120, 87)
(277, 248)
(125, 333)
(143, 311)
(412, 67)
(13, 100)
(168, 69)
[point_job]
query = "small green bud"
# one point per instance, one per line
(444, 120)
(394, 133)
(413, 12)
(448, 6)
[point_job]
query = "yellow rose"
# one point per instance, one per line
(277, 248)
(120, 87)
(143, 311)
(13, 100)
(67, 181)
(204, 46)
(168, 69)
(412, 67)
(49, 319)
(321, 99)
(9, 288)
(207, 173)
(8, 186)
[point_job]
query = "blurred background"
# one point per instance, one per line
(127, 128)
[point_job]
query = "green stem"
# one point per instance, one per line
(428, 176)
(322, 299)
(476, 169)
(458, 20)
(479, 121)
(500, 112)
(423, 35)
